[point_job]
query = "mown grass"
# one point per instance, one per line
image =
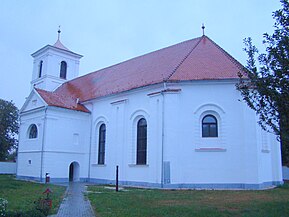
(21, 194)
(134, 202)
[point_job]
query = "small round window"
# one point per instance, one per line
(32, 132)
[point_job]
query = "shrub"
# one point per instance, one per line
(3, 205)
(43, 205)
(30, 213)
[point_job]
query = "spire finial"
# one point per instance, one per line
(59, 32)
(203, 27)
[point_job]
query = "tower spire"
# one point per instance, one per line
(203, 27)
(58, 43)
(59, 31)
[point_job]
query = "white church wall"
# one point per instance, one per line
(276, 161)
(54, 62)
(67, 136)
(238, 158)
(230, 159)
(263, 151)
(28, 165)
(120, 114)
(264, 156)
(67, 140)
(31, 144)
(57, 165)
(29, 149)
(67, 130)
(249, 144)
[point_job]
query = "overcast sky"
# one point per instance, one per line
(111, 31)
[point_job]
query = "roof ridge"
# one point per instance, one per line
(232, 59)
(183, 60)
(99, 70)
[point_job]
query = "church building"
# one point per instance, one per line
(171, 118)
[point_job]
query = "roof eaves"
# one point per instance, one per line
(122, 91)
(85, 110)
(55, 48)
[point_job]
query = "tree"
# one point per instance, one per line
(9, 126)
(265, 88)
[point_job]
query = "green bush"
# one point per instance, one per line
(30, 213)
(43, 205)
(3, 205)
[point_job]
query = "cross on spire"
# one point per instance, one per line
(59, 32)
(203, 27)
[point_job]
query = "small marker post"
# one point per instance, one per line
(116, 181)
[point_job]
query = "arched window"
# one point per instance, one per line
(209, 126)
(141, 155)
(40, 69)
(32, 132)
(101, 144)
(63, 69)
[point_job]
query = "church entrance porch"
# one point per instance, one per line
(74, 172)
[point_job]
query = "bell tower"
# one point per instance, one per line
(54, 65)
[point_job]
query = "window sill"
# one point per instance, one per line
(216, 137)
(32, 139)
(98, 165)
(138, 165)
(210, 149)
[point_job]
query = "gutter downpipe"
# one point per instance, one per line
(43, 140)
(17, 151)
(163, 135)
(89, 156)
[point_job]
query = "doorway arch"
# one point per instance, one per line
(74, 172)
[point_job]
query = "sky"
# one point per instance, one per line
(112, 31)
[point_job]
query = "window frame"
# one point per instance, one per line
(101, 144)
(32, 131)
(212, 127)
(141, 140)
(40, 69)
(63, 70)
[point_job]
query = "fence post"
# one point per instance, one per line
(116, 182)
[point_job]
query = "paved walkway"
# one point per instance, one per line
(75, 204)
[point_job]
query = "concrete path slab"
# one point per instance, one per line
(75, 204)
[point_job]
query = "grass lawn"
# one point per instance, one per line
(134, 202)
(21, 194)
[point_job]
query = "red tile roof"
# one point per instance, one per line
(196, 59)
(59, 100)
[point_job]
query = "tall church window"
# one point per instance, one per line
(101, 144)
(32, 132)
(40, 69)
(141, 157)
(209, 126)
(63, 69)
